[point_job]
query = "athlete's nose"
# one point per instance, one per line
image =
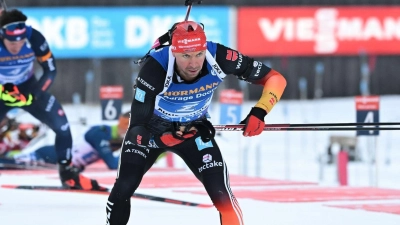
(193, 63)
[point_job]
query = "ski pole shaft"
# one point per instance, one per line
(333, 124)
(287, 127)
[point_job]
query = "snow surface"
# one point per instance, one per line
(286, 156)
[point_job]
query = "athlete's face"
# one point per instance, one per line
(14, 47)
(189, 64)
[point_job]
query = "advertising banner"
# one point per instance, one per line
(78, 32)
(303, 31)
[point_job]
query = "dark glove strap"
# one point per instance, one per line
(175, 126)
(258, 112)
(244, 120)
(204, 128)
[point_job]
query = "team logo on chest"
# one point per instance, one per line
(190, 107)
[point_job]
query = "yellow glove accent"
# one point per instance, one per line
(19, 103)
(12, 97)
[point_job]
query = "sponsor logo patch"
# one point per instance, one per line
(209, 163)
(139, 95)
(207, 158)
(135, 151)
(50, 103)
(145, 83)
(231, 55)
(202, 145)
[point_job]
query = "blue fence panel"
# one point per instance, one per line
(97, 32)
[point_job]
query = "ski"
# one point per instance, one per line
(106, 191)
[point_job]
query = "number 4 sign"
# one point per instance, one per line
(367, 108)
(111, 102)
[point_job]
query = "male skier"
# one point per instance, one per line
(174, 90)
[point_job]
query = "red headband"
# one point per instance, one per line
(188, 36)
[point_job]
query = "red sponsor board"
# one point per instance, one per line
(290, 31)
(230, 96)
(367, 103)
(111, 92)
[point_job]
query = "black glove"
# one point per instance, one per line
(72, 179)
(205, 129)
(169, 139)
(176, 134)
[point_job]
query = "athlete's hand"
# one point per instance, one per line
(171, 139)
(11, 96)
(254, 122)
